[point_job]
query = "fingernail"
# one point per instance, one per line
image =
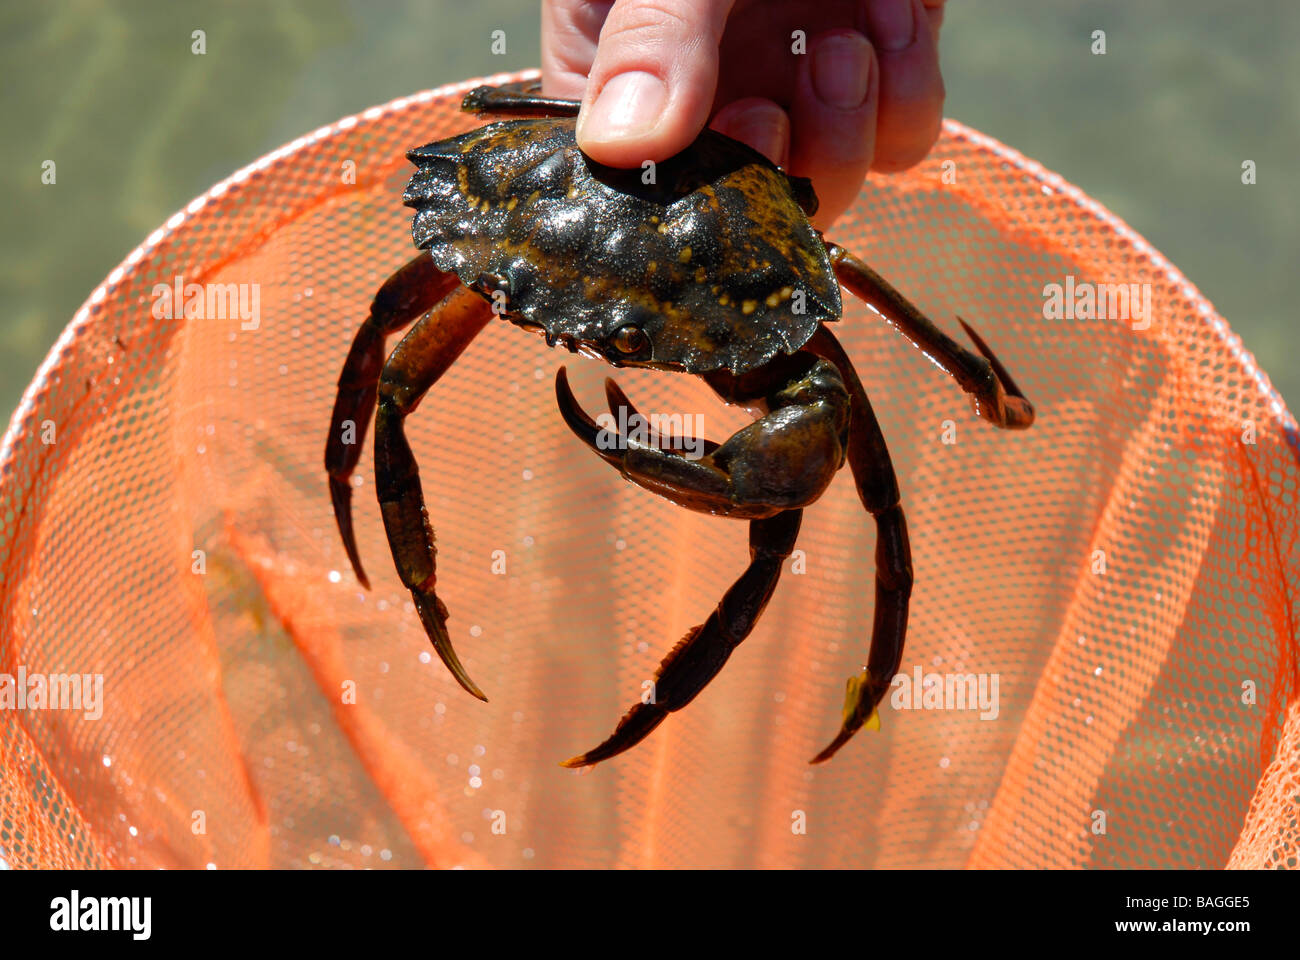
(892, 24)
(841, 70)
(629, 105)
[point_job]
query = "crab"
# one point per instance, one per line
(707, 266)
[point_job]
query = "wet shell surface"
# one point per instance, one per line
(710, 253)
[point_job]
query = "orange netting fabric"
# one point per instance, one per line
(268, 711)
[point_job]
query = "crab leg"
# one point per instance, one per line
(994, 395)
(765, 472)
(779, 462)
(699, 655)
(522, 99)
(415, 365)
(409, 292)
(873, 474)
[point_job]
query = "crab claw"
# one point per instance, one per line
(697, 484)
(1017, 412)
(605, 442)
(586, 429)
(616, 398)
(779, 462)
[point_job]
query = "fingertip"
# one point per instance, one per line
(892, 23)
(834, 119)
(760, 123)
(911, 94)
(934, 13)
(904, 151)
(841, 66)
(621, 125)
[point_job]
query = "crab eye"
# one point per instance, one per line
(629, 340)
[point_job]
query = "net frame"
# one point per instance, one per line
(1123, 737)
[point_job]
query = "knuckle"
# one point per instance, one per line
(685, 24)
(645, 23)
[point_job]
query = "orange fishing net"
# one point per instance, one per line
(1126, 570)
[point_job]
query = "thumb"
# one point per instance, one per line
(651, 86)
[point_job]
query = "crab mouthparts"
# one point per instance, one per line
(586, 348)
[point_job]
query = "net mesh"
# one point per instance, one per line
(1127, 569)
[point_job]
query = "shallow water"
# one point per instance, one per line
(137, 125)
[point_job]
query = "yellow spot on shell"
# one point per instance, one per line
(512, 203)
(486, 206)
(651, 267)
(724, 299)
(663, 228)
(786, 292)
(773, 299)
(685, 255)
(748, 307)
(654, 219)
(700, 274)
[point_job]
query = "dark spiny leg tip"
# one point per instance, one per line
(432, 616)
(1008, 384)
(594, 756)
(473, 101)
(637, 724)
(470, 687)
(832, 748)
(606, 751)
(341, 497)
(463, 678)
(1019, 411)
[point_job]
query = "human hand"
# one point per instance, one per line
(865, 94)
